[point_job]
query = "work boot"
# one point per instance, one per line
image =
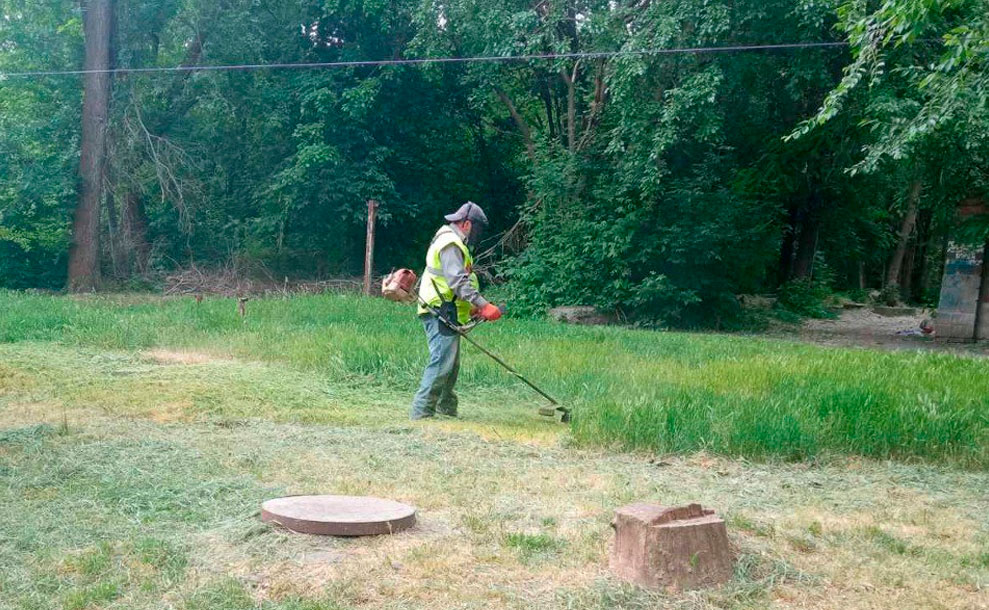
(448, 403)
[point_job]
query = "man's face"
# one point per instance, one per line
(473, 231)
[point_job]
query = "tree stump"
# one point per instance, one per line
(658, 547)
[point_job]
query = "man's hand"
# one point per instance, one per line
(490, 312)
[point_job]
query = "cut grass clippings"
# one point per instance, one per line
(128, 513)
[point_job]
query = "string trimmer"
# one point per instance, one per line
(402, 291)
(463, 332)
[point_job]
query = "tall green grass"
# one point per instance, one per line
(630, 390)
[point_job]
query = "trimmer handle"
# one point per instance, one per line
(474, 323)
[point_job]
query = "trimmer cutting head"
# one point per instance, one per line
(562, 413)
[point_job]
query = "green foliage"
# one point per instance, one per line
(943, 80)
(38, 142)
(805, 297)
(659, 186)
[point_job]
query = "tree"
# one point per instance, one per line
(657, 184)
(899, 39)
(84, 256)
(39, 122)
(918, 86)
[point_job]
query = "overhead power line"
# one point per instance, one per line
(436, 60)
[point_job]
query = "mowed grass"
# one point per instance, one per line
(138, 437)
(629, 390)
(103, 509)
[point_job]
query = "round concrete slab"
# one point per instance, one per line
(339, 515)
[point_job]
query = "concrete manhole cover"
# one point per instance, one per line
(339, 515)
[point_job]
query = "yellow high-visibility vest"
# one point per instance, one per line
(433, 279)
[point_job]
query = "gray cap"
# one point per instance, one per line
(469, 211)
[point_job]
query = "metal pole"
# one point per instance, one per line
(372, 212)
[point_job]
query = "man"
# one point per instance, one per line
(450, 287)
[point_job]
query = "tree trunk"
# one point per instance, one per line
(590, 118)
(84, 255)
(134, 225)
(546, 95)
(906, 274)
(803, 261)
(530, 146)
(570, 81)
(922, 257)
(906, 229)
(786, 248)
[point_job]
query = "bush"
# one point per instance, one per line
(805, 297)
(675, 256)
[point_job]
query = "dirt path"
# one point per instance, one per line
(865, 328)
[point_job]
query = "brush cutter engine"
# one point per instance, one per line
(399, 286)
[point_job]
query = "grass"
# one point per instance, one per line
(532, 547)
(139, 436)
(124, 512)
(630, 390)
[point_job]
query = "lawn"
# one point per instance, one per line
(630, 390)
(139, 435)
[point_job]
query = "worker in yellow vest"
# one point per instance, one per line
(450, 287)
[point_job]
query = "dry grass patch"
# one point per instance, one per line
(171, 412)
(168, 356)
(12, 380)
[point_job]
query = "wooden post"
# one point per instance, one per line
(372, 212)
